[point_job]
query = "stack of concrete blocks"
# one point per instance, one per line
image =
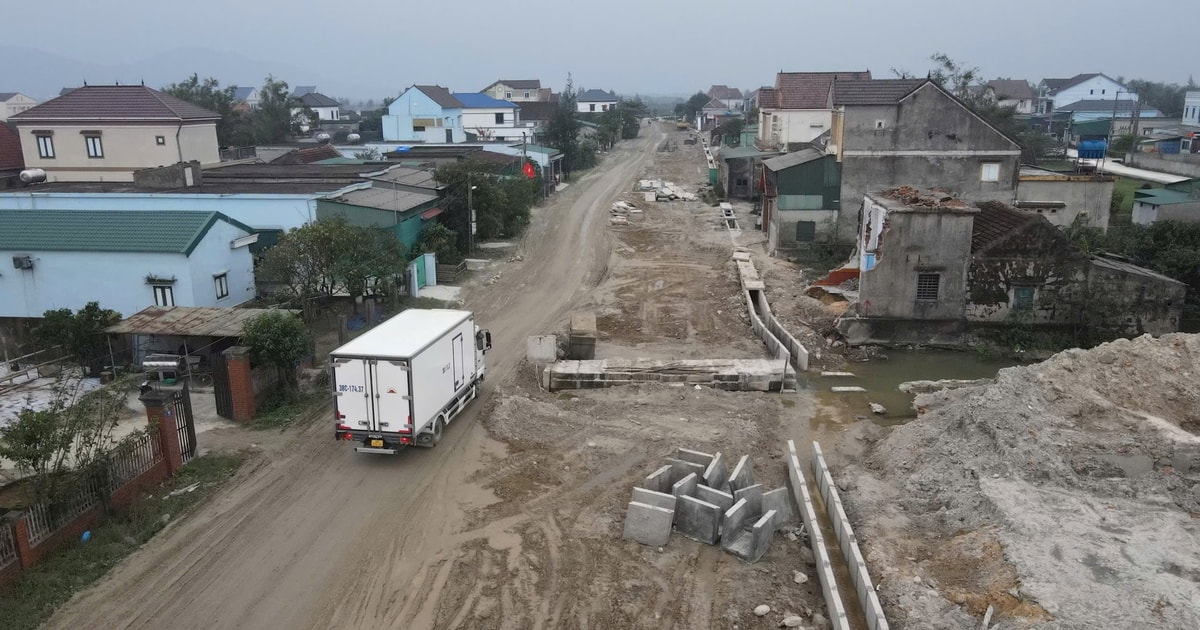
(859, 576)
(581, 345)
(697, 494)
(798, 486)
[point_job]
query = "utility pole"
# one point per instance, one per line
(1112, 124)
(470, 217)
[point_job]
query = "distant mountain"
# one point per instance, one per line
(42, 74)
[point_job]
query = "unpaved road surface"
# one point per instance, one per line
(322, 537)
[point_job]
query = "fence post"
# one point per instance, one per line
(21, 534)
(161, 417)
(241, 383)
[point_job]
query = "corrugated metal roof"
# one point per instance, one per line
(385, 199)
(141, 231)
(476, 100)
(115, 102)
(1163, 197)
(734, 153)
(789, 160)
(188, 321)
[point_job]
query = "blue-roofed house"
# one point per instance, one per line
(245, 97)
(424, 113)
(491, 119)
(126, 261)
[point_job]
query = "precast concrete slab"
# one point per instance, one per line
(698, 520)
(541, 349)
(722, 499)
(647, 524)
(742, 475)
(847, 390)
(695, 457)
(716, 476)
(657, 499)
(753, 495)
(686, 487)
(681, 469)
(732, 522)
(659, 480)
(778, 501)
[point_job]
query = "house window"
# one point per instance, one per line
(742, 181)
(221, 282)
(927, 286)
(526, 93)
(418, 127)
(592, 107)
(880, 124)
(806, 231)
(164, 295)
(1023, 298)
(45, 147)
(1091, 91)
(509, 94)
(990, 172)
(160, 140)
(95, 149)
(500, 118)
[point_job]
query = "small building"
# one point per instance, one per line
(1122, 113)
(202, 332)
(934, 268)
(739, 168)
(13, 103)
(1064, 198)
(1165, 204)
(516, 90)
(801, 200)
(1014, 93)
(730, 99)
(248, 97)
(1054, 93)
(424, 113)
(326, 108)
(125, 261)
(403, 212)
(102, 133)
(488, 119)
(596, 101)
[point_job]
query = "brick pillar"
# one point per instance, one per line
(241, 386)
(24, 551)
(160, 415)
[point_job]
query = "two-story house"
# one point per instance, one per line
(246, 98)
(106, 132)
(1054, 93)
(731, 99)
(12, 103)
(1014, 93)
(491, 119)
(591, 101)
(326, 108)
(517, 90)
(424, 113)
(799, 107)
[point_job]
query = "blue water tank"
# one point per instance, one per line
(1093, 149)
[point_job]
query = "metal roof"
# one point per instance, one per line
(189, 321)
(1129, 268)
(140, 231)
(316, 99)
(384, 199)
(1163, 197)
(734, 153)
(789, 160)
(596, 96)
(476, 100)
(94, 103)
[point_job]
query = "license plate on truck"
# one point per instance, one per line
(376, 443)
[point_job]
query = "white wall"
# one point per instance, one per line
(15, 105)
(258, 211)
(1144, 213)
(600, 106)
(127, 148)
(485, 119)
(793, 125)
(214, 256)
(1191, 109)
(1095, 88)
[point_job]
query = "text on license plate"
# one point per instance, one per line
(377, 443)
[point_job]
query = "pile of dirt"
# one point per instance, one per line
(1066, 494)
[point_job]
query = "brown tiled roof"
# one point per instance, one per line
(996, 223)
(808, 90)
(768, 98)
(115, 102)
(11, 158)
(1015, 89)
(724, 92)
(537, 110)
(874, 91)
(439, 95)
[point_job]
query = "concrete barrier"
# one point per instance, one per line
(867, 597)
(696, 457)
(659, 480)
(686, 487)
(799, 353)
(716, 476)
(681, 469)
(777, 501)
(754, 499)
(657, 499)
(698, 520)
(778, 340)
(743, 474)
(835, 608)
(648, 524)
(710, 495)
(732, 523)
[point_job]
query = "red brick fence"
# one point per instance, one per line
(29, 535)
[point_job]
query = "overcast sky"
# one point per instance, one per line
(374, 48)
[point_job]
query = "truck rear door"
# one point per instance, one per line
(352, 394)
(392, 397)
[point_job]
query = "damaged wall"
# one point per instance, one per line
(1151, 303)
(1025, 277)
(1087, 196)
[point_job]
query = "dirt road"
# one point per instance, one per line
(323, 537)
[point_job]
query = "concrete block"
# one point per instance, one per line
(724, 500)
(716, 475)
(780, 503)
(695, 457)
(686, 487)
(846, 390)
(732, 522)
(741, 256)
(648, 524)
(742, 475)
(659, 480)
(657, 499)
(681, 469)
(541, 349)
(753, 495)
(698, 520)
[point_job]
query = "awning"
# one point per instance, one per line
(429, 214)
(188, 321)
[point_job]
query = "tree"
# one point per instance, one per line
(732, 127)
(439, 240)
(694, 104)
(563, 131)
(1165, 97)
(273, 118)
(611, 128)
(81, 333)
(279, 339)
(370, 153)
(71, 433)
(502, 198)
(209, 94)
(631, 112)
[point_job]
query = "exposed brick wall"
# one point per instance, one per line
(241, 383)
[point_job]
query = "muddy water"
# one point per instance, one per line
(882, 377)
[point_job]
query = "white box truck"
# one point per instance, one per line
(400, 383)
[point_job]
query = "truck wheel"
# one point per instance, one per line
(439, 426)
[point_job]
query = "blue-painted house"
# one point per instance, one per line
(425, 113)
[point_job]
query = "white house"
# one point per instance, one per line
(125, 261)
(246, 95)
(1191, 108)
(424, 113)
(1055, 93)
(731, 99)
(515, 90)
(596, 101)
(326, 109)
(799, 107)
(491, 119)
(12, 103)
(1014, 93)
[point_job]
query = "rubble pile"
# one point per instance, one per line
(1081, 473)
(932, 198)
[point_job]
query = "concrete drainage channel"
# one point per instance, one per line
(729, 219)
(777, 339)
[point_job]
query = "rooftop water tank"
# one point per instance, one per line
(32, 175)
(322, 137)
(353, 138)
(1092, 149)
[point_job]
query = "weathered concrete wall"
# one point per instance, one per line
(798, 485)
(1041, 259)
(782, 235)
(918, 242)
(1146, 303)
(1182, 165)
(1090, 199)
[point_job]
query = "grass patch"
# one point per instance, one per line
(1126, 186)
(282, 411)
(38, 592)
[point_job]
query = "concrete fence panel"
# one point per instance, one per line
(859, 575)
(798, 485)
